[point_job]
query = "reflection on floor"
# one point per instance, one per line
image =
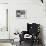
(27, 44)
(23, 44)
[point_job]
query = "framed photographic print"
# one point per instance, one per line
(20, 14)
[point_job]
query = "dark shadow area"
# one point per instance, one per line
(41, 35)
(37, 37)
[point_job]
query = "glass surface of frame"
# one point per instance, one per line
(20, 13)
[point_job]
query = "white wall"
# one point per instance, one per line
(35, 12)
(3, 1)
(4, 34)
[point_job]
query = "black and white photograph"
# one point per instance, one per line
(20, 13)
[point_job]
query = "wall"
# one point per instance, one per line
(4, 34)
(35, 12)
(45, 30)
(3, 1)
